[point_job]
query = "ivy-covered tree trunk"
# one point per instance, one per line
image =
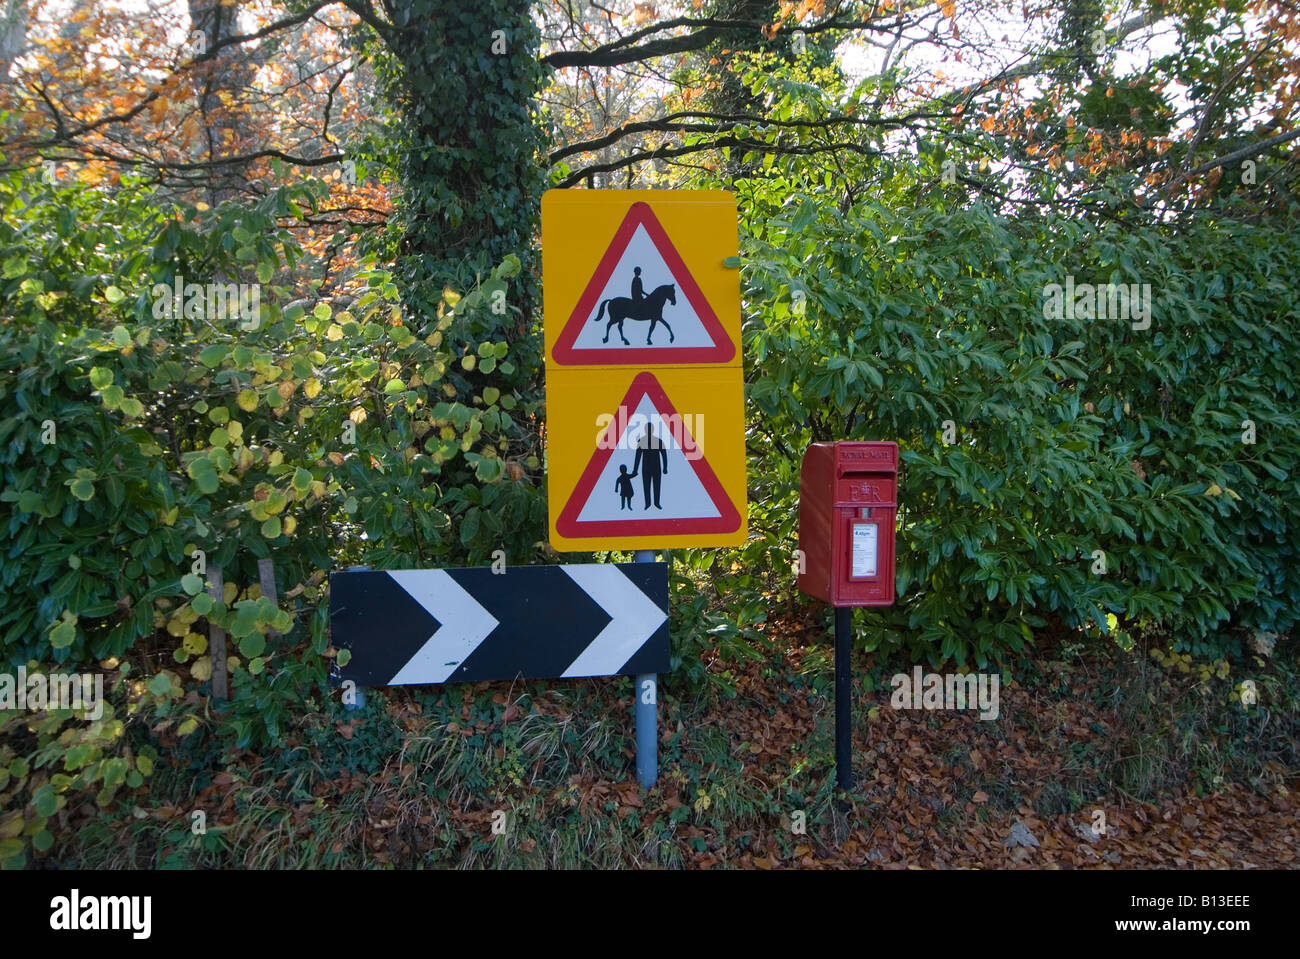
(470, 146)
(463, 80)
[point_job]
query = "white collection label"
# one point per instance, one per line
(865, 538)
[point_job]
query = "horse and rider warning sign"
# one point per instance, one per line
(642, 279)
(645, 416)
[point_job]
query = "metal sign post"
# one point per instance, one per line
(642, 340)
(647, 713)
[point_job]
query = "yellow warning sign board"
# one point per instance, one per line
(644, 382)
(640, 459)
(636, 278)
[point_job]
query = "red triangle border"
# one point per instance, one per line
(564, 353)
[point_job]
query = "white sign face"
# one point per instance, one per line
(642, 265)
(650, 477)
(865, 539)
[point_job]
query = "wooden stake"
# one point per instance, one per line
(217, 643)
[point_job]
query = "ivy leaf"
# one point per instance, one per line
(45, 801)
(160, 685)
(212, 356)
(252, 645)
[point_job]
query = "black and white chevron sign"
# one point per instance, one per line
(404, 627)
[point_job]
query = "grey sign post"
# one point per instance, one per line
(647, 713)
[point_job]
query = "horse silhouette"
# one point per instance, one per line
(651, 308)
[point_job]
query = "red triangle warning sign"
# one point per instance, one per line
(642, 306)
(647, 477)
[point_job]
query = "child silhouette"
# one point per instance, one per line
(623, 485)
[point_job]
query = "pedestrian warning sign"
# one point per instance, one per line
(648, 475)
(639, 459)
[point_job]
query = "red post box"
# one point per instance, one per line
(848, 498)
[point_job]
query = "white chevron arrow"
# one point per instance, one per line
(635, 618)
(464, 624)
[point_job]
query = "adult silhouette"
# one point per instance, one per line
(655, 465)
(638, 291)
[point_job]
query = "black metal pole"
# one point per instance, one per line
(843, 698)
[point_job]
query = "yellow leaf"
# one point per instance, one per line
(247, 400)
(312, 388)
(200, 669)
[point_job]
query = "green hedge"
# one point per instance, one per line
(338, 429)
(1073, 435)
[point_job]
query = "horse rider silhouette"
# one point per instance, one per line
(649, 306)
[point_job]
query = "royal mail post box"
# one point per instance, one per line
(848, 498)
